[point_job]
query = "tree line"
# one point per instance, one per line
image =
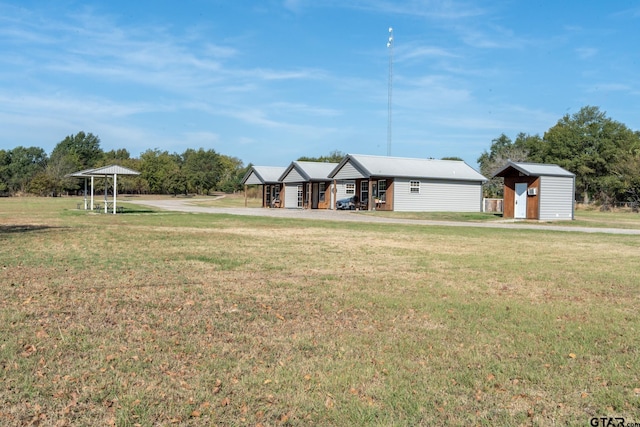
(603, 154)
(28, 170)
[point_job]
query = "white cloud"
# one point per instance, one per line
(586, 52)
(426, 51)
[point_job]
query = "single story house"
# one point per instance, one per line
(307, 185)
(411, 185)
(537, 191)
(268, 178)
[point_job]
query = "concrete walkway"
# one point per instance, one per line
(184, 205)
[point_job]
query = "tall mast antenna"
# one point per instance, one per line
(389, 106)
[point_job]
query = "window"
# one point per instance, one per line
(364, 191)
(350, 188)
(382, 190)
(322, 190)
(414, 187)
(300, 194)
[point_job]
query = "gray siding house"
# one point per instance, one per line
(412, 185)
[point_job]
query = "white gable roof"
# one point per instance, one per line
(263, 175)
(307, 171)
(379, 166)
(105, 170)
(112, 170)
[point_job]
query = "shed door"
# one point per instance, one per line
(520, 209)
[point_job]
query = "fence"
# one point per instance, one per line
(492, 205)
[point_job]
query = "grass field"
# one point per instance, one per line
(159, 318)
(229, 201)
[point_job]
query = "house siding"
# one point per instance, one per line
(293, 176)
(437, 196)
(348, 171)
(341, 189)
(253, 179)
(556, 198)
(533, 202)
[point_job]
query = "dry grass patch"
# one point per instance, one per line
(202, 319)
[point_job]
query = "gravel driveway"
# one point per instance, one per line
(182, 205)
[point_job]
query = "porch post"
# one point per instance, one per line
(335, 195)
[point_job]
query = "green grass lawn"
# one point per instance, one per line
(160, 318)
(438, 216)
(583, 218)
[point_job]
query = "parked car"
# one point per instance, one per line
(346, 204)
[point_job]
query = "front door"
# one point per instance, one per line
(520, 209)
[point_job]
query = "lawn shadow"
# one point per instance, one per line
(24, 228)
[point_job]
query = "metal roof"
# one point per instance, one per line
(534, 169)
(79, 174)
(264, 174)
(111, 170)
(380, 166)
(310, 171)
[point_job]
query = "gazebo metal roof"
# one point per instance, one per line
(110, 170)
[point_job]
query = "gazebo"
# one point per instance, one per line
(105, 172)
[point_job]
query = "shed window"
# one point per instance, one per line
(414, 187)
(350, 188)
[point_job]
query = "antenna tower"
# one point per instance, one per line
(390, 44)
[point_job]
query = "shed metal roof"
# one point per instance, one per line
(379, 166)
(534, 169)
(310, 171)
(264, 174)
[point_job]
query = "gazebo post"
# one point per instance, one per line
(115, 191)
(92, 192)
(106, 188)
(85, 193)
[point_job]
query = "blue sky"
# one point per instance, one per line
(270, 81)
